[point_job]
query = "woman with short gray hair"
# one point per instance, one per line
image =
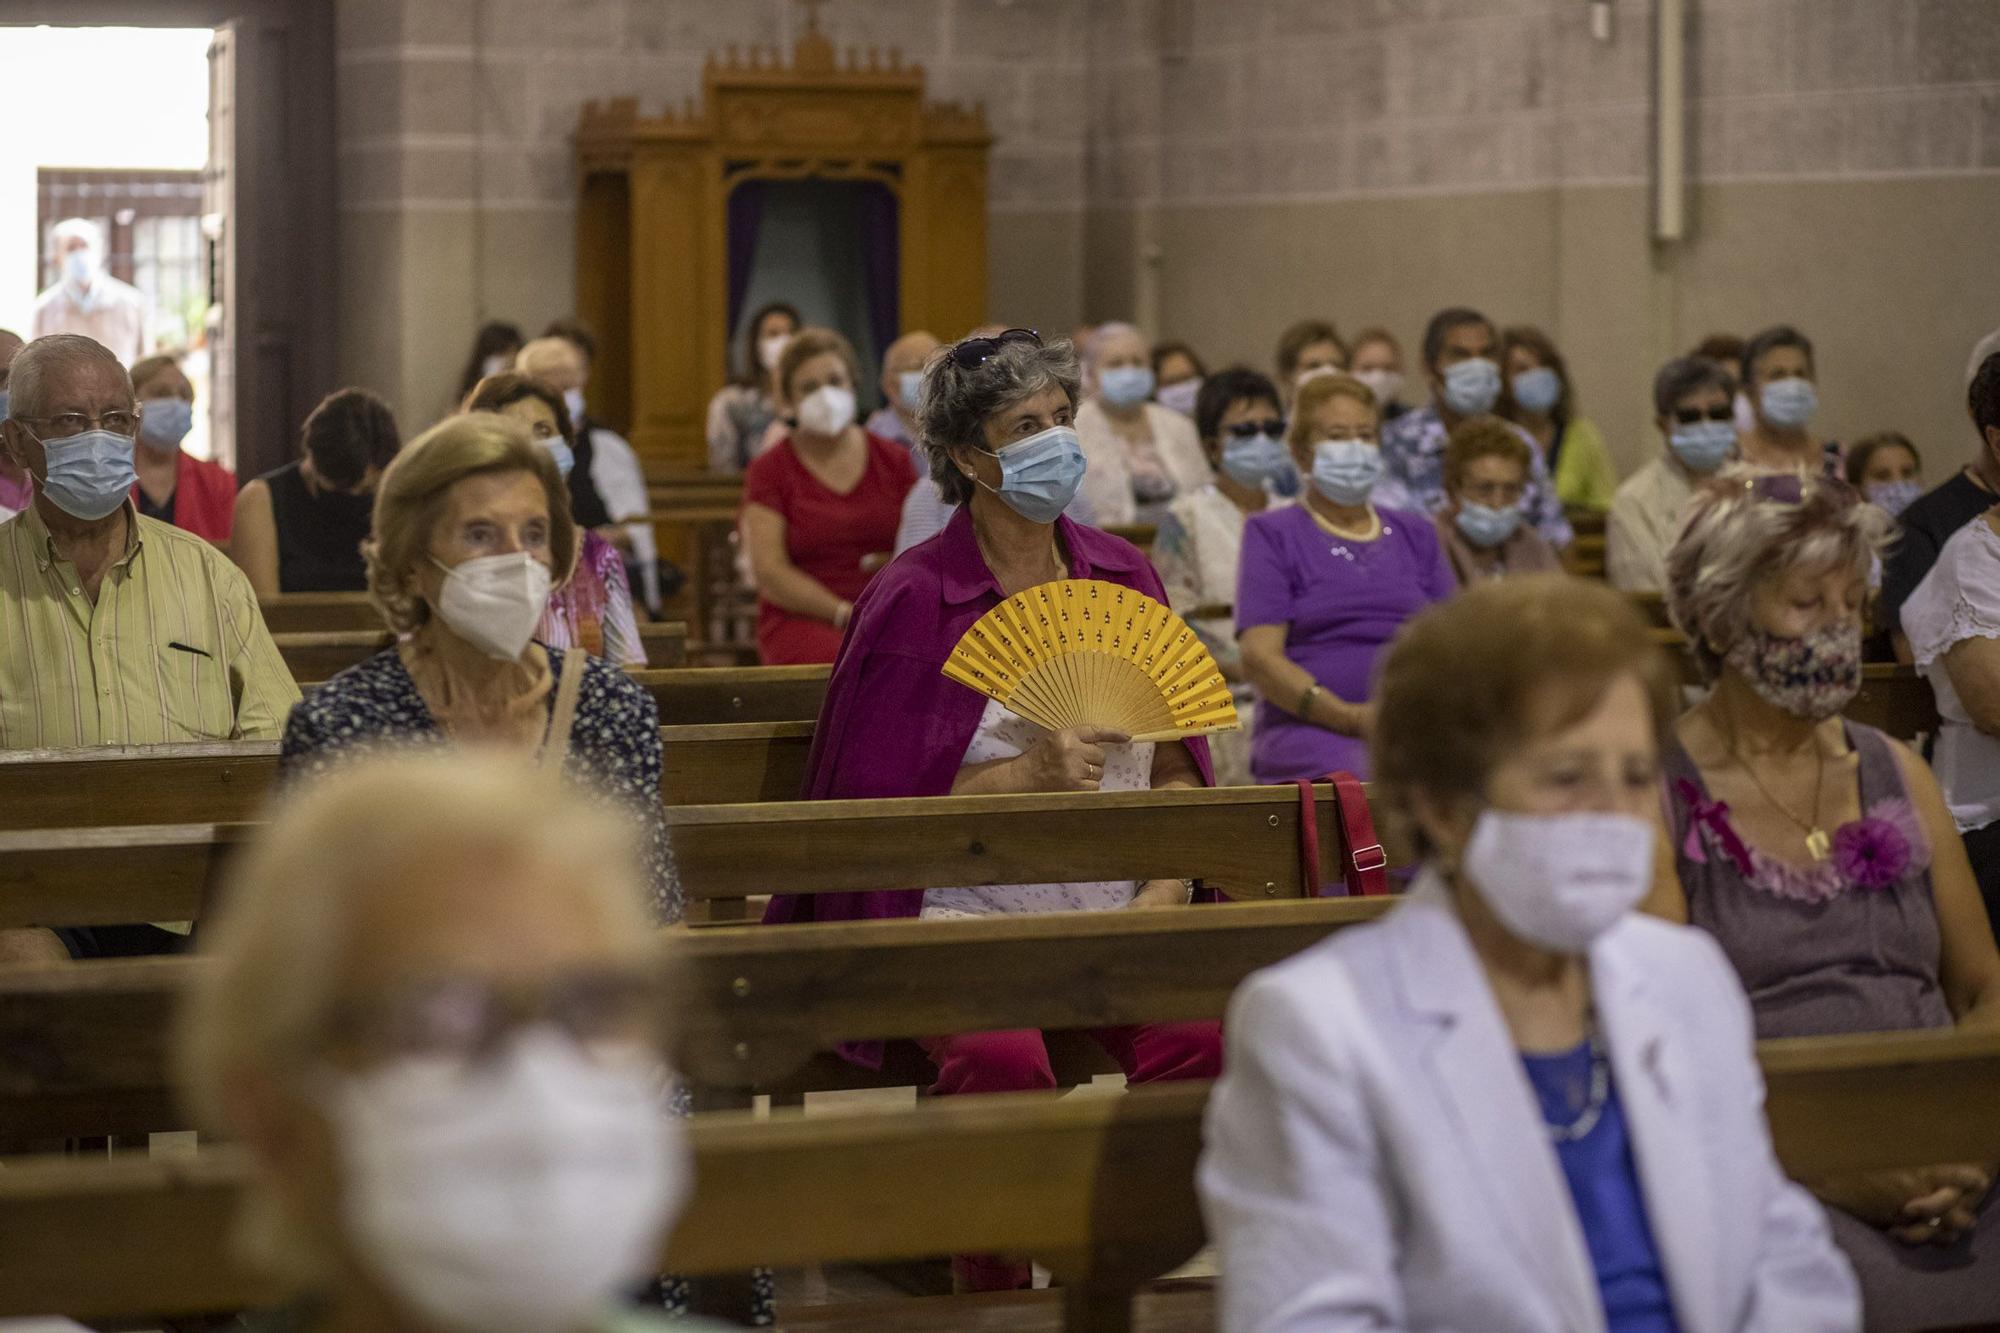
(1821, 854)
(996, 415)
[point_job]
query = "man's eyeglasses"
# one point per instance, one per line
(1248, 430)
(1688, 416)
(65, 425)
(974, 351)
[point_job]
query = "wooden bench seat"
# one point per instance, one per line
(320, 655)
(1101, 1189)
(756, 1010)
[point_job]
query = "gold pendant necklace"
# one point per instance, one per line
(1818, 845)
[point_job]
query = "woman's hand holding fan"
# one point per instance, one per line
(1069, 760)
(1085, 655)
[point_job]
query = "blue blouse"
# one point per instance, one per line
(1604, 1184)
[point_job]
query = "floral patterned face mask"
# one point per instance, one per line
(1812, 677)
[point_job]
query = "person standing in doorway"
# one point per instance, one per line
(86, 299)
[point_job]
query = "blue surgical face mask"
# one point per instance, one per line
(1893, 497)
(89, 475)
(1287, 482)
(1472, 387)
(1126, 386)
(1788, 403)
(1702, 446)
(1486, 528)
(165, 422)
(1345, 471)
(564, 456)
(1254, 461)
(1537, 390)
(909, 388)
(1040, 475)
(573, 402)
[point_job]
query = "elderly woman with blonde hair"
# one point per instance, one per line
(1516, 1103)
(1821, 854)
(440, 1044)
(472, 531)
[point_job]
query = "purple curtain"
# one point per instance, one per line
(875, 214)
(746, 220)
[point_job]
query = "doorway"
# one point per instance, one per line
(203, 156)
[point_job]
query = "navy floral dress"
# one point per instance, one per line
(614, 743)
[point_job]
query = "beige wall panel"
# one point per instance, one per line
(1034, 270)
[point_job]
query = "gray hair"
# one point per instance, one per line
(70, 229)
(1734, 537)
(47, 362)
(1093, 351)
(1689, 374)
(957, 403)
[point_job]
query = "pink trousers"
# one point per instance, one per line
(1018, 1061)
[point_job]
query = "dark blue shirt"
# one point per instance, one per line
(1604, 1185)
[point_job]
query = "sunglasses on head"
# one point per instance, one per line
(974, 351)
(1687, 416)
(1245, 430)
(1789, 488)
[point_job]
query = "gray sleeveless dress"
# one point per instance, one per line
(1849, 946)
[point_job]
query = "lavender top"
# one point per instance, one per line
(1340, 602)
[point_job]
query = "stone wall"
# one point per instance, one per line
(1220, 167)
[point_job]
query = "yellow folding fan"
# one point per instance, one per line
(1083, 653)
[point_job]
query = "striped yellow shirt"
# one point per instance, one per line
(174, 649)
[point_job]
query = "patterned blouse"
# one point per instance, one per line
(614, 743)
(593, 611)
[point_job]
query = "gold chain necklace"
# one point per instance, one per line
(1367, 534)
(1818, 845)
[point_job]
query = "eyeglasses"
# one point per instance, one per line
(1688, 416)
(611, 1014)
(1248, 430)
(974, 351)
(65, 425)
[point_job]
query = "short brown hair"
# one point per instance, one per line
(1547, 647)
(807, 344)
(1293, 342)
(510, 387)
(1483, 436)
(410, 499)
(1318, 390)
(146, 367)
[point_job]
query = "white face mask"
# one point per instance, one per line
(1383, 382)
(827, 410)
(771, 348)
(573, 401)
(493, 365)
(1559, 881)
(494, 602)
(514, 1197)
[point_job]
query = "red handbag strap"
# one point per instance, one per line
(1366, 871)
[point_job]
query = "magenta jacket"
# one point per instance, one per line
(892, 725)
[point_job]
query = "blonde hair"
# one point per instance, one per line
(275, 950)
(1748, 524)
(1318, 391)
(1474, 678)
(807, 344)
(411, 499)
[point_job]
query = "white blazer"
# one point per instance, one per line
(1107, 481)
(1376, 1159)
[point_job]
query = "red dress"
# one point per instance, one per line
(827, 535)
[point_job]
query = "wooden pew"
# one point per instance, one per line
(1101, 1189)
(315, 657)
(320, 612)
(1241, 841)
(226, 782)
(83, 1049)
(710, 695)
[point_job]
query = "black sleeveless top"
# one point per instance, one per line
(319, 536)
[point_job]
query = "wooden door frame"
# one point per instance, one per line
(287, 241)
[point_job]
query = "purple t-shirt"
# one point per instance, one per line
(1341, 602)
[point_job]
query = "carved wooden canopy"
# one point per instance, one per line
(652, 258)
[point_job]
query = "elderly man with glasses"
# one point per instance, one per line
(114, 629)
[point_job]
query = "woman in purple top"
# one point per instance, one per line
(995, 417)
(1322, 587)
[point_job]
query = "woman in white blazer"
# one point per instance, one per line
(1140, 456)
(1514, 1105)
